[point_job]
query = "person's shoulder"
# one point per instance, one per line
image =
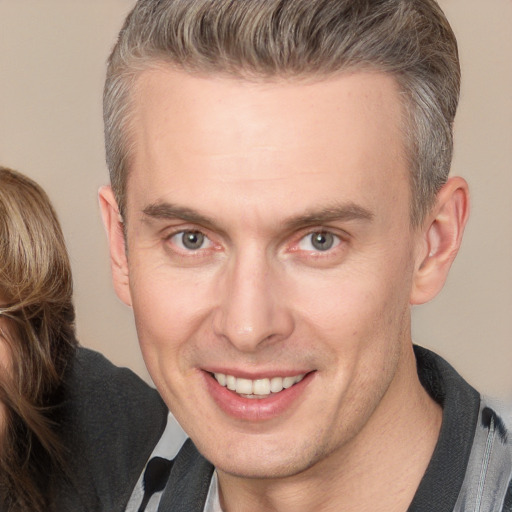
(101, 398)
(488, 480)
(504, 412)
(475, 439)
(92, 374)
(497, 415)
(507, 507)
(110, 422)
(96, 390)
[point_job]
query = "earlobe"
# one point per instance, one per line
(116, 238)
(441, 238)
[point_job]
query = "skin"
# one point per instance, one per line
(5, 365)
(257, 168)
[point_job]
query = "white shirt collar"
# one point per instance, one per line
(213, 500)
(167, 447)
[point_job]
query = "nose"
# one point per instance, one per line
(252, 310)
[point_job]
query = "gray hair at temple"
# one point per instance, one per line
(297, 39)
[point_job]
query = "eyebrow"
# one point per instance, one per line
(168, 211)
(336, 212)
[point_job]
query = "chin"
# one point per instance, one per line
(262, 471)
(259, 460)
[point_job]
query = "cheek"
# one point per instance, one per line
(359, 305)
(6, 361)
(5, 356)
(169, 307)
(6, 373)
(351, 306)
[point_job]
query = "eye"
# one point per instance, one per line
(319, 241)
(190, 240)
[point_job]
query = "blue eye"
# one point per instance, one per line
(319, 241)
(191, 240)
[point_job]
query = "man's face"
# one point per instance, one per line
(269, 242)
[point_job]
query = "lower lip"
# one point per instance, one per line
(255, 409)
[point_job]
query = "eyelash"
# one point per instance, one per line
(294, 247)
(336, 240)
(185, 252)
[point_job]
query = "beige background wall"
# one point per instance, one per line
(52, 56)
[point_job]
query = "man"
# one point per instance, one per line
(280, 198)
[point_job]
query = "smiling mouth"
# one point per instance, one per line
(259, 388)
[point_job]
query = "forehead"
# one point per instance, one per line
(260, 140)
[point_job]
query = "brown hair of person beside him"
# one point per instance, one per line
(37, 342)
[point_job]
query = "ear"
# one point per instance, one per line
(115, 233)
(441, 236)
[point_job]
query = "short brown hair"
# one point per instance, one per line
(261, 39)
(37, 326)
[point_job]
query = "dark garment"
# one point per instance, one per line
(187, 488)
(111, 421)
(465, 422)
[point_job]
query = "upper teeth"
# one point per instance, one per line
(258, 386)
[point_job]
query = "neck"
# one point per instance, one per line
(383, 463)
